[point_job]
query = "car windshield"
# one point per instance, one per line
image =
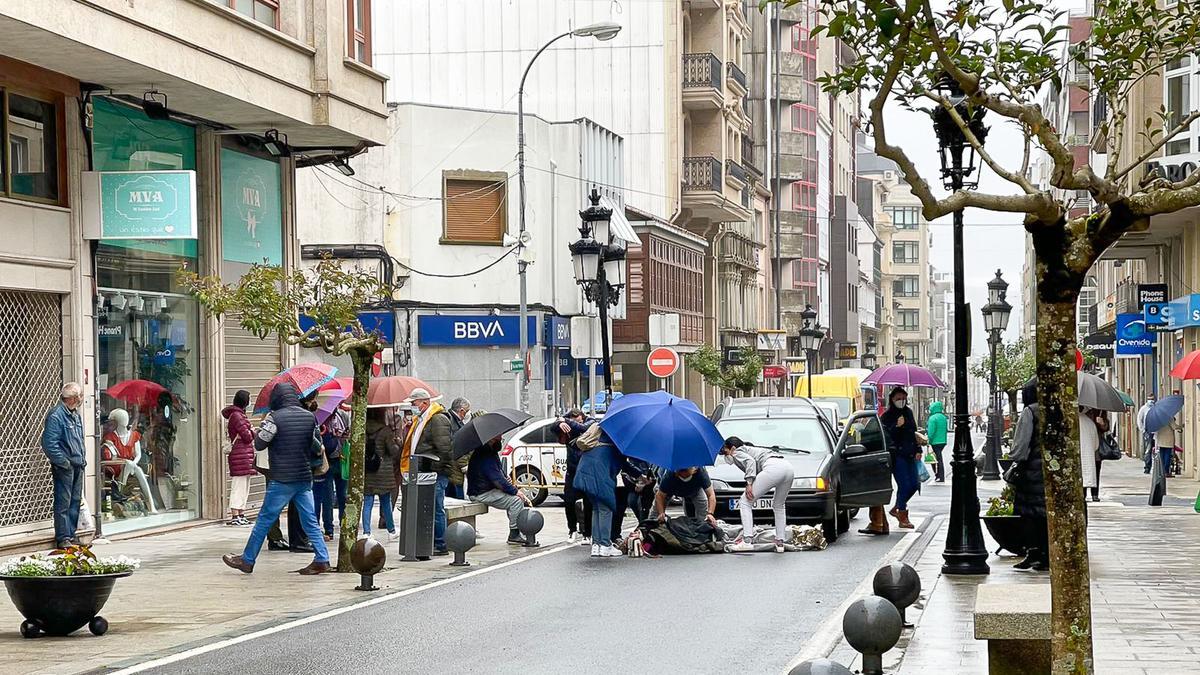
(804, 433)
(843, 404)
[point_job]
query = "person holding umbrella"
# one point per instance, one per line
(486, 482)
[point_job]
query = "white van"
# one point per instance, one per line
(535, 461)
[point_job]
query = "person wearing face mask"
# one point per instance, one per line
(62, 442)
(766, 471)
(901, 427)
(121, 453)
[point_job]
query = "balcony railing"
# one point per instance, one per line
(701, 71)
(701, 174)
(736, 171)
(736, 74)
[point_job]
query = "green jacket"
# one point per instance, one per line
(936, 427)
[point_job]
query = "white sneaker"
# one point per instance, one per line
(740, 546)
(574, 538)
(611, 552)
(596, 552)
(585, 541)
(779, 548)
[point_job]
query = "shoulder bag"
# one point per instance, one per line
(1108, 449)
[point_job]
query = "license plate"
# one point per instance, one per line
(759, 504)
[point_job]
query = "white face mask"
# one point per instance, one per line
(900, 403)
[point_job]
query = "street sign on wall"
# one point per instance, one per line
(139, 204)
(662, 362)
(847, 351)
(1133, 339)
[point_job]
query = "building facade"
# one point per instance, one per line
(208, 112)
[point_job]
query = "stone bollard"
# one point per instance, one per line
(872, 626)
(460, 538)
(898, 583)
(367, 557)
(820, 667)
(530, 522)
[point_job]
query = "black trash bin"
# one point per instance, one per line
(416, 516)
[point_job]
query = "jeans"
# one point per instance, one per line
(939, 470)
(295, 534)
(499, 499)
(1168, 456)
(299, 494)
(339, 484)
(601, 525)
(68, 496)
(907, 483)
(323, 502)
(1147, 452)
(385, 510)
(571, 497)
(455, 491)
(439, 513)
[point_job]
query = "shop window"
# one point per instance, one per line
(358, 30)
(475, 207)
(31, 134)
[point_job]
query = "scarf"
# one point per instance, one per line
(415, 431)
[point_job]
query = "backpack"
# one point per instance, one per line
(589, 439)
(373, 460)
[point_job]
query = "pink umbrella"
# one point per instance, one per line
(395, 390)
(328, 401)
(904, 375)
(306, 377)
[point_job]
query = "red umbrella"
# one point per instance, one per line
(345, 384)
(141, 393)
(1188, 367)
(395, 390)
(306, 377)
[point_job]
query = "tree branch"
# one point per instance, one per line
(1158, 145)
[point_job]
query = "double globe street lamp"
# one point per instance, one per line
(869, 358)
(600, 272)
(965, 552)
(810, 338)
(995, 322)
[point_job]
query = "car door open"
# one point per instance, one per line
(866, 463)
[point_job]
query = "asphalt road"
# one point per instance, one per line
(567, 612)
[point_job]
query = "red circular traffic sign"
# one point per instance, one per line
(662, 362)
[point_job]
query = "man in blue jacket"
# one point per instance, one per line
(288, 435)
(487, 484)
(62, 441)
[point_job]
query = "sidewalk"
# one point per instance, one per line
(184, 596)
(1145, 566)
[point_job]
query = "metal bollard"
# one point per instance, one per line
(898, 583)
(872, 626)
(460, 538)
(530, 522)
(367, 557)
(820, 667)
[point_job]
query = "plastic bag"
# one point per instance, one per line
(1197, 507)
(86, 522)
(922, 473)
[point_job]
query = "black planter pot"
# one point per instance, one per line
(61, 605)
(1009, 532)
(1004, 464)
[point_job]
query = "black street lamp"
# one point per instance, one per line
(965, 552)
(995, 321)
(810, 337)
(869, 358)
(600, 271)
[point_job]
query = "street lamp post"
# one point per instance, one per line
(601, 31)
(869, 358)
(810, 337)
(600, 271)
(965, 552)
(995, 321)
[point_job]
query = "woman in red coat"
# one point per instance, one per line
(241, 456)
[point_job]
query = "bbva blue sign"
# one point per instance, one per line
(472, 330)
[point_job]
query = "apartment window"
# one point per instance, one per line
(358, 30)
(906, 252)
(803, 196)
(804, 118)
(904, 217)
(908, 319)
(474, 207)
(912, 354)
(262, 11)
(907, 286)
(804, 273)
(30, 129)
(1179, 104)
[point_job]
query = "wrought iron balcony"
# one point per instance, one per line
(701, 174)
(736, 172)
(737, 76)
(701, 71)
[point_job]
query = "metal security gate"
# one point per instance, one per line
(249, 363)
(31, 362)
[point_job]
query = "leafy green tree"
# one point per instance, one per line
(1014, 366)
(1003, 55)
(741, 378)
(268, 301)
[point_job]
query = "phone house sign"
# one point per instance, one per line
(473, 330)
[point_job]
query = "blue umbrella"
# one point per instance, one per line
(1163, 412)
(662, 429)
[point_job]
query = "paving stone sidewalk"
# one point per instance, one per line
(1145, 565)
(184, 596)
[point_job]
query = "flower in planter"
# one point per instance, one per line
(67, 562)
(1002, 505)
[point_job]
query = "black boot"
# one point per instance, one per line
(515, 537)
(1032, 557)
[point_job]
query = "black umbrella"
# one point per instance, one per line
(487, 426)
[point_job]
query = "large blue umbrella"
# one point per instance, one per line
(662, 429)
(1163, 412)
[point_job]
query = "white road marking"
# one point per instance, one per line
(212, 647)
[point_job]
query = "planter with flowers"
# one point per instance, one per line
(62, 591)
(1009, 530)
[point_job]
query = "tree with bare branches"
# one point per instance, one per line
(269, 300)
(1002, 55)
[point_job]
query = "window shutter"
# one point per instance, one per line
(475, 211)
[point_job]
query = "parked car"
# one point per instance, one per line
(535, 461)
(835, 474)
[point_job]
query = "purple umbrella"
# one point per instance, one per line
(328, 401)
(904, 375)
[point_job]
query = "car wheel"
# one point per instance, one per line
(830, 529)
(528, 479)
(843, 522)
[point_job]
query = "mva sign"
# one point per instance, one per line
(472, 330)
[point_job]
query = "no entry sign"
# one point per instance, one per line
(662, 362)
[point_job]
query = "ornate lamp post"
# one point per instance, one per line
(869, 358)
(600, 271)
(965, 552)
(810, 337)
(995, 321)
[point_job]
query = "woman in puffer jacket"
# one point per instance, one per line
(241, 456)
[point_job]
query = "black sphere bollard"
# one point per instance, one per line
(872, 626)
(460, 538)
(900, 584)
(367, 557)
(820, 667)
(530, 522)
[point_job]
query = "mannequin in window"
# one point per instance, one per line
(121, 452)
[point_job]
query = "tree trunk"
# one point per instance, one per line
(352, 516)
(1012, 406)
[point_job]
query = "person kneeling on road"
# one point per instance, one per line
(487, 484)
(765, 470)
(694, 487)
